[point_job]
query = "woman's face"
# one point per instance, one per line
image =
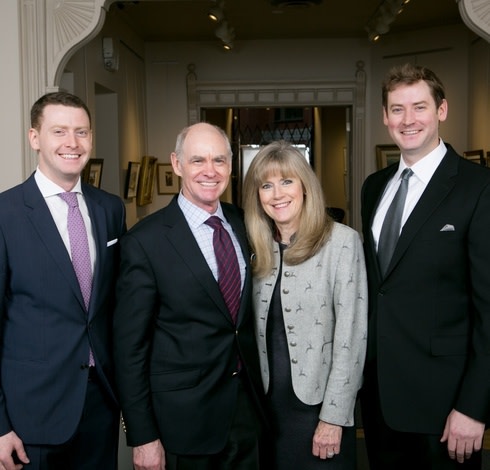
(282, 200)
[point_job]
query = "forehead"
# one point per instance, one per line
(414, 92)
(204, 141)
(58, 114)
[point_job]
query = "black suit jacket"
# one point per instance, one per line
(176, 346)
(45, 329)
(429, 317)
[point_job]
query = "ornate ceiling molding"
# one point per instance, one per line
(476, 15)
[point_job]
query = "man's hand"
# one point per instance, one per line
(149, 456)
(326, 440)
(10, 443)
(464, 435)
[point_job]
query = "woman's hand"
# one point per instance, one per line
(326, 440)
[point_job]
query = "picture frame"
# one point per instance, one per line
(487, 159)
(92, 173)
(167, 180)
(144, 193)
(387, 155)
(476, 156)
(131, 186)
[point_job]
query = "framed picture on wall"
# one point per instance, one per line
(167, 180)
(386, 155)
(131, 187)
(144, 193)
(92, 173)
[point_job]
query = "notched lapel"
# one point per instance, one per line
(440, 185)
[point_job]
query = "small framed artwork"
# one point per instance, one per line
(92, 173)
(487, 159)
(131, 187)
(387, 155)
(144, 193)
(476, 156)
(167, 180)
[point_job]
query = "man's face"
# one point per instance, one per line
(412, 118)
(63, 143)
(204, 166)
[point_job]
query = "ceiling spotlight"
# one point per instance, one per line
(216, 14)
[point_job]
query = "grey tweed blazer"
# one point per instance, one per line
(324, 306)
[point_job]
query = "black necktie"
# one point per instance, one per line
(390, 231)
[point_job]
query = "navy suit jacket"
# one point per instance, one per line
(176, 346)
(46, 331)
(429, 317)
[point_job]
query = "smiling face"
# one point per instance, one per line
(204, 166)
(282, 200)
(63, 142)
(412, 118)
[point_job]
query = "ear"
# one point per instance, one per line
(34, 138)
(175, 164)
(385, 116)
(442, 111)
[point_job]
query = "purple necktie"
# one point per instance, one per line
(229, 280)
(80, 254)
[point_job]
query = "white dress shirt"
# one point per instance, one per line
(422, 173)
(59, 211)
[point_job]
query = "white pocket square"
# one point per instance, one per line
(448, 228)
(111, 242)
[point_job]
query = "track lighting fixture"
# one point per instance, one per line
(383, 16)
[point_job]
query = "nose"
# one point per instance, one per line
(408, 117)
(209, 168)
(277, 191)
(71, 140)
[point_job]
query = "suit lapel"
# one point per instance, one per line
(441, 183)
(99, 229)
(182, 239)
(42, 221)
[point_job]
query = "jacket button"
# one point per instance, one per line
(287, 274)
(293, 343)
(294, 361)
(287, 309)
(285, 291)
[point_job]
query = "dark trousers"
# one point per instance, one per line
(241, 451)
(388, 449)
(94, 445)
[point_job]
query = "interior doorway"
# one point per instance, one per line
(324, 132)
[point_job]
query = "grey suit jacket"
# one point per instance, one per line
(324, 307)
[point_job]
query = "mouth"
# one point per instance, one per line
(208, 184)
(69, 156)
(281, 205)
(409, 133)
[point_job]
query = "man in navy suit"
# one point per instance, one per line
(187, 373)
(426, 395)
(57, 406)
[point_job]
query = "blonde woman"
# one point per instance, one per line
(310, 298)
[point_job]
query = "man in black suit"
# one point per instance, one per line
(426, 395)
(187, 372)
(57, 406)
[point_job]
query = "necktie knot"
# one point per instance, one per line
(406, 174)
(214, 222)
(70, 198)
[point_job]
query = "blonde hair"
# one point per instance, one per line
(282, 158)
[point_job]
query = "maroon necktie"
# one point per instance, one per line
(229, 280)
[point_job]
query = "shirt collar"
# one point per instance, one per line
(425, 167)
(49, 188)
(194, 214)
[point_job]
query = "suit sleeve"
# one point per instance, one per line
(5, 426)
(474, 396)
(133, 324)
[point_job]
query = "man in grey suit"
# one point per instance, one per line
(58, 410)
(426, 395)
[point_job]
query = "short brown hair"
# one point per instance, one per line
(57, 97)
(408, 74)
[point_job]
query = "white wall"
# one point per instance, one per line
(12, 132)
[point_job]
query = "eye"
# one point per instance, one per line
(396, 110)
(287, 182)
(83, 133)
(266, 186)
(59, 132)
